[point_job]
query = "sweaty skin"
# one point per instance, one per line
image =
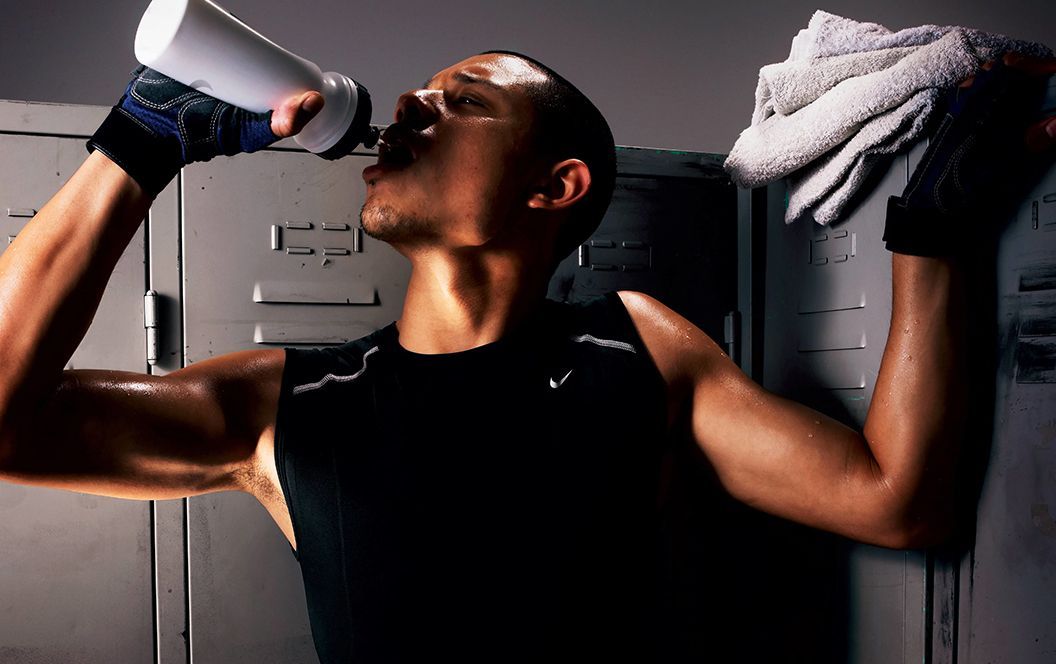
(476, 211)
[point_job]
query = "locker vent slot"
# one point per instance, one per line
(284, 292)
(1036, 360)
(834, 247)
(1038, 278)
(1038, 321)
(314, 334)
(825, 335)
(832, 371)
(612, 255)
(811, 303)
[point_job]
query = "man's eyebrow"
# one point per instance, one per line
(463, 77)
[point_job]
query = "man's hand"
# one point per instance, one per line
(160, 125)
(1041, 135)
(988, 143)
(291, 116)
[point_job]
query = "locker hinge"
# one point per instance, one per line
(731, 332)
(150, 324)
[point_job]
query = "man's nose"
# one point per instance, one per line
(414, 111)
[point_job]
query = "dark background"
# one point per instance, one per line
(666, 74)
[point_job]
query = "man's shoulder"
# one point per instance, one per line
(679, 348)
(601, 320)
(317, 366)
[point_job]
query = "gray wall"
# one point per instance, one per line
(666, 74)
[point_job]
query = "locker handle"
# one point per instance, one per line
(286, 292)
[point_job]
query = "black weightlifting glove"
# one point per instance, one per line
(160, 125)
(971, 166)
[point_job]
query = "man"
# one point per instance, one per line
(475, 481)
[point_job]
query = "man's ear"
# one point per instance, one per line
(567, 182)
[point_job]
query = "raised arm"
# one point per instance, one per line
(107, 432)
(890, 484)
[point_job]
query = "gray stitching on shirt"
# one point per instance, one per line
(329, 377)
(607, 343)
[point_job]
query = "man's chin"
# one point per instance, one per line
(384, 223)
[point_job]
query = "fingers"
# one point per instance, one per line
(1040, 136)
(1030, 64)
(294, 113)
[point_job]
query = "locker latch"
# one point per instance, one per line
(150, 324)
(731, 333)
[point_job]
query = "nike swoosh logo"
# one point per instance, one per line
(558, 383)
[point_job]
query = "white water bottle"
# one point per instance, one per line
(202, 45)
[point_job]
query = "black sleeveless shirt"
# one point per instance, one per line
(496, 504)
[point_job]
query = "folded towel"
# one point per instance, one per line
(851, 95)
(788, 86)
(811, 190)
(828, 34)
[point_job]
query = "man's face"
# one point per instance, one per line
(457, 163)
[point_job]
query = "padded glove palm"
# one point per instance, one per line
(160, 125)
(972, 163)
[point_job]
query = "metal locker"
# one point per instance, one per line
(828, 307)
(1004, 608)
(272, 256)
(671, 224)
(75, 570)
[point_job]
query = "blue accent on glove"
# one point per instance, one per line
(160, 125)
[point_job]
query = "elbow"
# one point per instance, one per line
(917, 536)
(917, 528)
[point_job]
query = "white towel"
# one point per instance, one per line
(850, 95)
(828, 34)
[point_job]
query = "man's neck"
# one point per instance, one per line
(458, 302)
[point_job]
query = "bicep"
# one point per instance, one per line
(785, 458)
(132, 435)
(767, 451)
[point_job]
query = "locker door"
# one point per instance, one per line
(75, 570)
(272, 256)
(828, 305)
(670, 231)
(1007, 599)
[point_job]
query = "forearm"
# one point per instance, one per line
(916, 417)
(54, 273)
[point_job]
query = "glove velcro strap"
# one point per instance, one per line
(920, 232)
(150, 160)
